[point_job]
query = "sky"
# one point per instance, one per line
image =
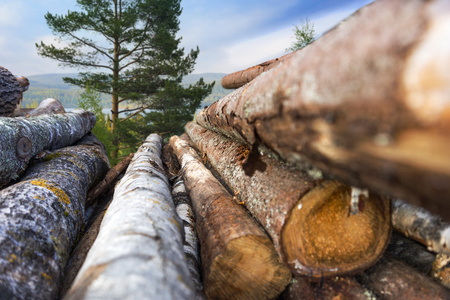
(232, 34)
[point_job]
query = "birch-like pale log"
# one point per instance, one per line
(23, 138)
(41, 217)
(367, 102)
(422, 226)
(138, 253)
(46, 107)
(237, 79)
(307, 217)
(394, 279)
(238, 258)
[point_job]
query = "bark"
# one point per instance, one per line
(138, 253)
(299, 289)
(441, 269)
(240, 78)
(359, 103)
(11, 89)
(308, 218)
(47, 106)
(238, 258)
(110, 178)
(420, 225)
(23, 138)
(394, 279)
(184, 210)
(342, 288)
(41, 217)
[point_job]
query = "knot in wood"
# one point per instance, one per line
(23, 148)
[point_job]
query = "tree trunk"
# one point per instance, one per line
(139, 250)
(23, 138)
(420, 225)
(308, 218)
(394, 279)
(47, 106)
(240, 78)
(107, 182)
(239, 261)
(358, 103)
(41, 217)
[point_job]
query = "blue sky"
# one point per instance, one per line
(232, 34)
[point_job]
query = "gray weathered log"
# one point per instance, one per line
(420, 225)
(184, 210)
(238, 258)
(307, 217)
(367, 102)
(41, 217)
(138, 253)
(46, 107)
(23, 138)
(237, 79)
(394, 279)
(11, 89)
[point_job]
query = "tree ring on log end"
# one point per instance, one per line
(23, 148)
(321, 238)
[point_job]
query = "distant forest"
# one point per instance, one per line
(52, 86)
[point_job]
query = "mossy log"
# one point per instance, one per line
(394, 279)
(41, 217)
(138, 252)
(422, 226)
(359, 103)
(238, 258)
(237, 79)
(308, 218)
(22, 138)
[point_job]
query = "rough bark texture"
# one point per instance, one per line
(342, 288)
(107, 182)
(299, 289)
(441, 269)
(184, 210)
(138, 253)
(238, 258)
(11, 90)
(23, 138)
(41, 217)
(394, 279)
(46, 107)
(420, 225)
(307, 218)
(240, 78)
(367, 102)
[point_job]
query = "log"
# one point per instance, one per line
(342, 288)
(23, 138)
(422, 226)
(441, 269)
(238, 258)
(41, 217)
(107, 182)
(394, 279)
(308, 218)
(185, 212)
(299, 289)
(11, 90)
(47, 106)
(359, 104)
(138, 252)
(237, 79)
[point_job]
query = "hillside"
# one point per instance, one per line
(52, 86)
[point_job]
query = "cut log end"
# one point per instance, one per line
(232, 273)
(322, 238)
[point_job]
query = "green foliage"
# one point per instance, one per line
(304, 35)
(90, 100)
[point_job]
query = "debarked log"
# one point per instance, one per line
(238, 258)
(41, 217)
(363, 110)
(23, 138)
(393, 279)
(138, 253)
(422, 226)
(237, 79)
(308, 218)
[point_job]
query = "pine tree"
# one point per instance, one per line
(130, 50)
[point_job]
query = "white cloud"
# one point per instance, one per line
(11, 13)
